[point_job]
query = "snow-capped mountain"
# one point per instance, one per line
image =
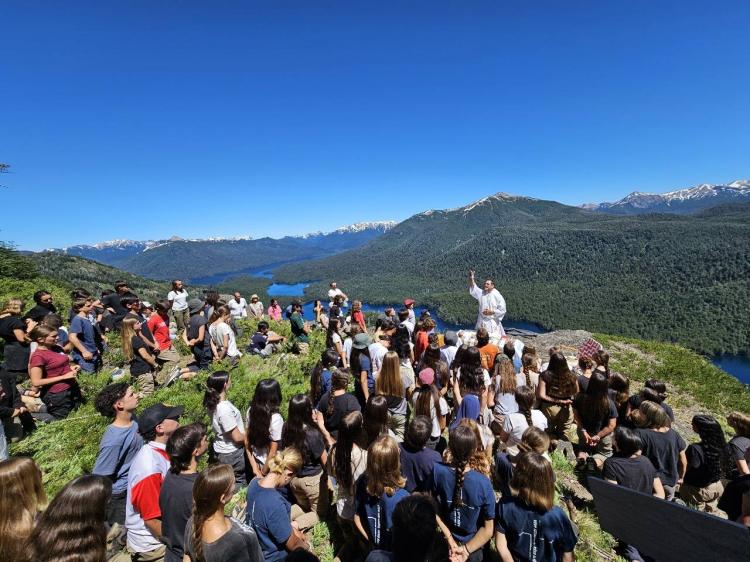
(687, 200)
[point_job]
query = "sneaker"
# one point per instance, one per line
(118, 374)
(174, 374)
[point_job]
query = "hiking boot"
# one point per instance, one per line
(174, 374)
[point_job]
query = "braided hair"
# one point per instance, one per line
(462, 444)
(713, 444)
(525, 397)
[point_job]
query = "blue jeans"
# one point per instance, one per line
(88, 366)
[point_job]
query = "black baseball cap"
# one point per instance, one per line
(154, 415)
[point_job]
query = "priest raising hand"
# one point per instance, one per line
(491, 306)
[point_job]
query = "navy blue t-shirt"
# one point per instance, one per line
(503, 473)
(533, 535)
(417, 466)
(477, 496)
(269, 514)
(376, 513)
(258, 341)
(85, 332)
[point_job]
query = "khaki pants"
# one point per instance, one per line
(311, 493)
(145, 383)
(559, 419)
(181, 318)
(705, 499)
(603, 449)
(168, 359)
(128, 555)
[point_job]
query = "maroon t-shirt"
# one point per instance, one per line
(53, 362)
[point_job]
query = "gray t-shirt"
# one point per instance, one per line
(239, 544)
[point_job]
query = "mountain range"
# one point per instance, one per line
(687, 200)
(210, 260)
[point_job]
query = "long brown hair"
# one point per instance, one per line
(528, 364)
(22, 497)
(462, 444)
(74, 526)
(210, 488)
(525, 399)
(389, 381)
(350, 434)
(384, 467)
(481, 459)
(534, 481)
(505, 373)
(562, 382)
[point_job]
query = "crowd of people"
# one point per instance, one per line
(420, 445)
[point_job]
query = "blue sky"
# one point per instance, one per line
(146, 119)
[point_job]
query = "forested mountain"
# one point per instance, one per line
(668, 277)
(688, 200)
(191, 259)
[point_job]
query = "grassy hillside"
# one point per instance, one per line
(682, 279)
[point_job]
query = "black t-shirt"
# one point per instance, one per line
(145, 330)
(736, 449)
(583, 383)
(258, 341)
(731, 500)
(176, 504)
(663, 450)
(342, 405)
(196, 321)
(138, 365)
(636, 473)
(698, 473)
(16, 352)
(314, 447)
(239, 544)
(591, 426)
(113, 301)
(39, 311)
(417, 467)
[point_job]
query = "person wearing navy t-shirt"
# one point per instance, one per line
(465, 496)
(269, 513)
(378, 491)
(417, 460)
(527, 526)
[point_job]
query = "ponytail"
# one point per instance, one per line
(215, 385)
(462, 444)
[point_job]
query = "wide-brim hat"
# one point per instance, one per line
(154, 415)
(361, 341)
(196, 305)
(253, 297)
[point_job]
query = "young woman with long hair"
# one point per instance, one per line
(268, 511)
(516, 423)
(431, 359)
(13, 331)
(223, 341)
(739, 444)
(470, 396)
(274, 310)
(660, 389)
(264, 425)
(310, 485)
(401, 344)
(22, 498)
(74, 526)
(226, 421)
(211, 536)
(586, 369)
(596, 417)
(376, 418)
(465, 497)
(601, 359)
(378, 492)
(320, 378)
(557, 388)
(529, 372)
(334, 341)
(662, 445)
(361, 367)
(337, 403)
(138, 354)
(533, 439)
(51, 371)
(503, 394)
(426, 401)
(358, 316)
(347, 462)
(481, 460)
(529, 522)
(619, 392)
(392, 386)
(706, 465)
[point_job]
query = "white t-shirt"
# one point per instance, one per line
(237, 309)
(334, 293)
(435, 422)
(225, 419)
(179, 300)
(377, 352)
(218, 331)
(348, 349)
(277, 425)
(521, 379)
(515, 424)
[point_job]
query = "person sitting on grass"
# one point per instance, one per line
(596, 417)
(223, 340)
(138, 355)
(706, 465)
(119, 444)
(533, 439)
(418, 460)
(264, 342)
(168, 357)
(226, 421)
(22, 499)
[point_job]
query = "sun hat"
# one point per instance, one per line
(154, 415)
(408, 302)
(361, 341)
(195, 305)
(427, 376)
(253, 297)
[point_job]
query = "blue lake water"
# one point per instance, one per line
(286, 290)
(736, 365)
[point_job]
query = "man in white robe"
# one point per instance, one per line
(491, 306)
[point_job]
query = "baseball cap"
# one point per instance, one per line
(408, 302)
(154, 415)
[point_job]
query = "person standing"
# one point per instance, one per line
(409, 305)
(178, 301)
(82, 336)
(491, 306)
(255, 308)
(237, 306)
(274, 310)
(43, 307)
(334, 294)
(300, 329)
(13, 331)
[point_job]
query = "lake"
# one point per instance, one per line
(736, 365)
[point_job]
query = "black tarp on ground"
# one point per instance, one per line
(667, 531)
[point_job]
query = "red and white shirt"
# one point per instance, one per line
(147, 472)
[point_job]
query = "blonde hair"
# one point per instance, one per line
(128, 331)
(389, 381)
(22, 497)
(287, 459)
(651, 416)
(740, 423)
(12, 306)
(384, 467)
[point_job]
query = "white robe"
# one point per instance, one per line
(490, 301)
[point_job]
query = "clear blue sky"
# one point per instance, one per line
(145, 119)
